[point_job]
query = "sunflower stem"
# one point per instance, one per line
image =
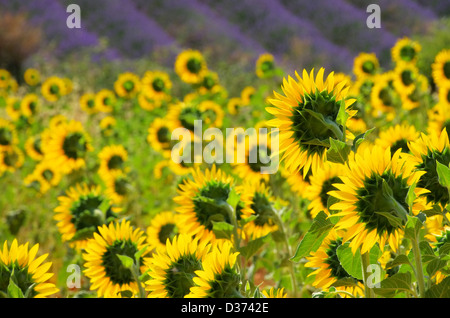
(365, 262)
(280, 223)
(135, 271)
(419, 268)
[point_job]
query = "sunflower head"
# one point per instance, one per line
(405, 50)
(32, 77)
(163, 226)
(30, 275)
(8, 135)
(265, 65)
(307, 117)
(81, 211)
(87, 103)
(108, 275)
(365, 65)
(53, 88)
(190, 65)
(202, 201)
(373, 192)
(173, 269)
(440, 69)
(428, 150)
(219, 277)
(127, 85)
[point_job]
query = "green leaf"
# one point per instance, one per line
(392, 219)
(435, 210)
(223, 229)
(138, 254)
(426, 251)
(233, 198)
(411, 196)
(126, 261)
(360, 138)
(13, 290)
(443, 172)
(252, 246)
(313, 238)
(413, 227)
(342, 115)
(397, 261)
(441, 290)
(125, 293)
(400, 282)
(338, 151)
(444, 250)
(434, 266)
(352, 262)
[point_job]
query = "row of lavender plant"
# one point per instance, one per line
(51, 16)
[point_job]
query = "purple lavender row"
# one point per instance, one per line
(52, 17)
(130, 31)
(342, 23)
(275, 27)
(194, 17)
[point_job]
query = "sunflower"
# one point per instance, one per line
(163, 226)
(405, 50)
(32, 76)
(202, 200)
(80, 212)
(306, 118)
(190, 65)
(173, 268)
(37, 182)
(29, 105)
(365, 64)
(444, 95)
(219, 276)
(265, 65)
(405, 78)
(212, 113)
(105, 100)
(49, 172)
(440, 69)
(112, 158)
(11, 159)
(374, 184)
(362, 88)
(209, 81)
(257, 200)
(13, 108)
(247, 94)
(233, 105)
(87, 103)
(427, 151)
(184, 115)
(397, 137)
(117, 186)
(5, 77)
(328, 270)
(157, 84)
(274, 293)
(53, 88)
(67, 146)
(8, 135)
(322, 181)
(340, 77)
(127, 85)
(257, 157)
(107, 125)
(159, 135)
(29, 272)
(108, 276)
(383, 96)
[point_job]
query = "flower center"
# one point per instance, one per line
(446, 69)
(114, 269)
(407, 77)
(407, 53)
(188, 116)
(429, 180)
(312, 131)
(128, 86)
(163, 135)
(158, 85)
(267, 66)
(263, 209)
(368, 67)
(327, 186)
(75, 145)
(115, 162)
(167, 231)
(5, 136)
(179, 276)
(208, 202)
(194, 65)
(54, 89)
(262, 158)
(400, 144)
(372, 199)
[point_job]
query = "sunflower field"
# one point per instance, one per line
(93, 204)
